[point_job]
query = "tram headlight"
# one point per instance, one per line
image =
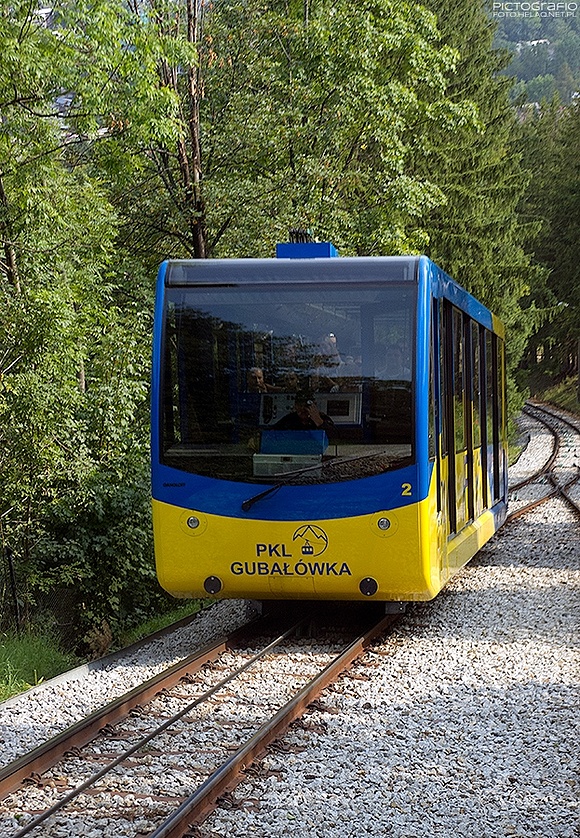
(368, 586)
(212, 585)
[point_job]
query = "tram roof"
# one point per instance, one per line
(240, 271)
(232, 273)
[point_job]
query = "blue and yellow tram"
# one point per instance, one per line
(323, 428)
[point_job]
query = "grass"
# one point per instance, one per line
(161, 621)
(563, 395)
(34, 657)
(28, 660)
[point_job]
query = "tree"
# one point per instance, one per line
(306, 116)
(552, 136)
(545, 56)
(73, 392)
(478, 235)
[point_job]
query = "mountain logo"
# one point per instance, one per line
(313, 540)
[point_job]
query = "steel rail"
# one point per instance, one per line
(563, 490)
(83, 669)
(574, 505)
(85, 730)
(549, 462)
(553, 411)
(199, 805)
(144, 740)
(546, 468)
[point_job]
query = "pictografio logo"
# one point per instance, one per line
(535, 8)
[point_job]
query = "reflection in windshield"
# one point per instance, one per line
(306, 384)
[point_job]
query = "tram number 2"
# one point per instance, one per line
(407, 490)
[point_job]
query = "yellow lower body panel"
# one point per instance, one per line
(463, 546)
(327, 559)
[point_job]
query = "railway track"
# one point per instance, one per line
(106, 774)
(559, 475)
(136, 800)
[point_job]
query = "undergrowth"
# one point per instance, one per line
(29, 659)
(33, 657)
(564, 394)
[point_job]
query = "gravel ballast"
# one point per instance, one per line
(467, 724)
(463, 722)
(30, 719)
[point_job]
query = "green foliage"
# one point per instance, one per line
(539, 89)
(28, 660)
(75, 467)
(127, 137)
(74, 328)
(308, 122)
(477, 235)
(545, 56)
(552, 136)
(339, 102)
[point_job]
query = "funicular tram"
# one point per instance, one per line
(323, 428)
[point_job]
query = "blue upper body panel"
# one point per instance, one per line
(318, 501)
(288, 503)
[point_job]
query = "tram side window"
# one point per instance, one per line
(476, 384)
(432, 402)
(502, 385)
(458, 382)
(492, 414)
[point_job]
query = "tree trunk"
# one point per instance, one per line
(8, 265)
(193, 189)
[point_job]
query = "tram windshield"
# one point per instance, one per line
(301, 383)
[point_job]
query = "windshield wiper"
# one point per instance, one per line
(249, 502)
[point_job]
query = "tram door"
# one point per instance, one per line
(443, 503)
(438, 447)
(473, 418)
(455, 413)
(460, 422)
(478, 432)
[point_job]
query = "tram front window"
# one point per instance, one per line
(314, 382)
